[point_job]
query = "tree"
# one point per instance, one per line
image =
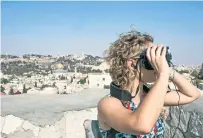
(4, 81)
(24, 89)
(54, 84)
(198, 81)
(35, 84)
(200, 75)
(194, 74)
(82, 81)
(2, 89)
(183, 71)
(11, 92)
(96, 71)
(71, 80)
(62, 77)
(44, 86)
(107, 71)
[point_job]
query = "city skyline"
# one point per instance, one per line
(51, 28)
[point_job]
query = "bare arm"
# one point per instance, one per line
(187, 92)
(143, 119)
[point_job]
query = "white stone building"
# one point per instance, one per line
(99, 80)
(61, 85)
(103, 66)
(45, 91)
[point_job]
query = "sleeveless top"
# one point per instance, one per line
(157, 131)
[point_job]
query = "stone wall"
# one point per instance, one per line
(28, 116)
(189, 126)
(48, 116)
(69, 126)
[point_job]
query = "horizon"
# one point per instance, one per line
(52, 28)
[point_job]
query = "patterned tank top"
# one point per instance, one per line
(157, 131)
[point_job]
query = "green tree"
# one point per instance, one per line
(200, 75)
(62, 77)
(11, 92)
(2, 89)
(194, 74)
(96, 71)
(54, 84)
(107, 71)
(44, 86)
(183, 71)
(71, 80)
(4, 81)
(35, 84)
(24, 89)
(82, 81)
(198, 81)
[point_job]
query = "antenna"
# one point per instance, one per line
(133, 27)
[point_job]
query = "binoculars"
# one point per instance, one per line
(146, 64)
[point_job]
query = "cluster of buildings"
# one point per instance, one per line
(59, 81)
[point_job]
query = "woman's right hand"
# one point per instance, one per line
(158, 59)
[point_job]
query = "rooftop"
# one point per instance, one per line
(47, 109)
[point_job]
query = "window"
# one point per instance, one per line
(103, 79)
(106, 86)
(97, 85)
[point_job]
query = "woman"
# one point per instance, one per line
(140, 116)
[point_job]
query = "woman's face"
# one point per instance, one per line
(148, 76)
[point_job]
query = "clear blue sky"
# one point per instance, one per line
(75, 27)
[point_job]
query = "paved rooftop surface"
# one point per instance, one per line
(47, 109)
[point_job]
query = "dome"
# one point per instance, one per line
(59, 71)
(59, 66)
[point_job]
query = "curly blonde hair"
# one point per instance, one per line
(128, 46)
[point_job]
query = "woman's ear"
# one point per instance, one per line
(131, 64)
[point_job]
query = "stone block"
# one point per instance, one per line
(49, 132)
(28, 126)
(75, 129)
(21, 134)
(2, 122)
(11, 124)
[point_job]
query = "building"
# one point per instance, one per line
(45, 91)
(103, 66)
(60, 72)
(99, 80)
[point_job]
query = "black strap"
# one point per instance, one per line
(117, 92)
(95, 129)
(112, 133)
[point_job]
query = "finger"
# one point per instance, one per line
(158, 51)
(152, 54)
(148, 54)
(163, 52)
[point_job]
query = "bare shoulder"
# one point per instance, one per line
(110, 102)
(112, 114)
